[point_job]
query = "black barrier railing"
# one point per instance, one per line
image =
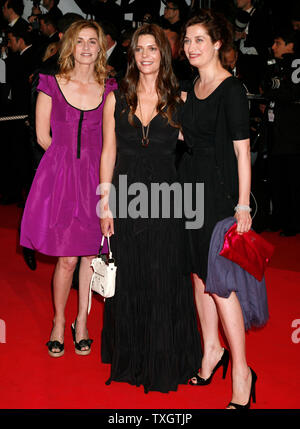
(254, 97)
(13, 118)
(259, 97)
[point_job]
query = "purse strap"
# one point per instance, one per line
(101, 247)
(256, 205)
(110, 259)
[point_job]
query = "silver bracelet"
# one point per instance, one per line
(240, 207)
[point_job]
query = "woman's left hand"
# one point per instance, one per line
(244, 221)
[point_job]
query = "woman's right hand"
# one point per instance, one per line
(107, 226)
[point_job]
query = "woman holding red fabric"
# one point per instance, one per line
(215, 122)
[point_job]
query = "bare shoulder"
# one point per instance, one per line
(44, 99)
(109, 107)
(110, 99)
(110, 102)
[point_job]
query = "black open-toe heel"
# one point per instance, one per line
(251, 396)
(82, 343)
(222, 362)
(52, 345)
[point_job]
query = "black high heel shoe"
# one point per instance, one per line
(251, 396)
(222, 362)
(82, 343)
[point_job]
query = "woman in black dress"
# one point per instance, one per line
(150, 333)
(216, 129)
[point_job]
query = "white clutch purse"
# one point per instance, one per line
(104, 276)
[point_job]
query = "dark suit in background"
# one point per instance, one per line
(140, 8)
(118, 60)
(55, 13)
(15, 165)
(11, 62)
(254, 49)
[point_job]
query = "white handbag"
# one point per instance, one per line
(104, 275)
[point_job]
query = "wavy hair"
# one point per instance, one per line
(166, 83)
(66, 58)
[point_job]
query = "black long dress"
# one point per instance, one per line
(150, 333)
(209, 126)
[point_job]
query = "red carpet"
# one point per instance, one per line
(31, 379)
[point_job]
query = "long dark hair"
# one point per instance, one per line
(166, 83)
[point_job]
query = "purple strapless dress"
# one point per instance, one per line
(60, 217)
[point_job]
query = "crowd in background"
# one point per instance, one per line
(263, 57)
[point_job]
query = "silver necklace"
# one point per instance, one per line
(145, 139)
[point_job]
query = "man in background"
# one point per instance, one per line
(11, 168)
(282, 88)
(12, 12)
(253, 35)
(173, 15)
(115, 53)
(52, 10)
(49, 33)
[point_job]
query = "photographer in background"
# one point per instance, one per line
(142, 10)
(103, 10)
(43, 25)
(282, 89)
(52, 9)
(253, 37)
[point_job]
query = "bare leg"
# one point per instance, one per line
(207, 311)
(85, 274)
(231, 316)
(62, 282)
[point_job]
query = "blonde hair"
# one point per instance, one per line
(66, 58)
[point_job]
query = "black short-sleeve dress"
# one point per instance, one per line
(209, 126)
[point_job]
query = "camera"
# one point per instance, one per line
(274, 82)
(3, 39)
(269, 83)
(273, 75)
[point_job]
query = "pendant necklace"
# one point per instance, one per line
(145, 139)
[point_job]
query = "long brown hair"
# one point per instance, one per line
(68, 43)
(166, 83)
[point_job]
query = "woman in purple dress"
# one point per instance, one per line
(60, 217)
